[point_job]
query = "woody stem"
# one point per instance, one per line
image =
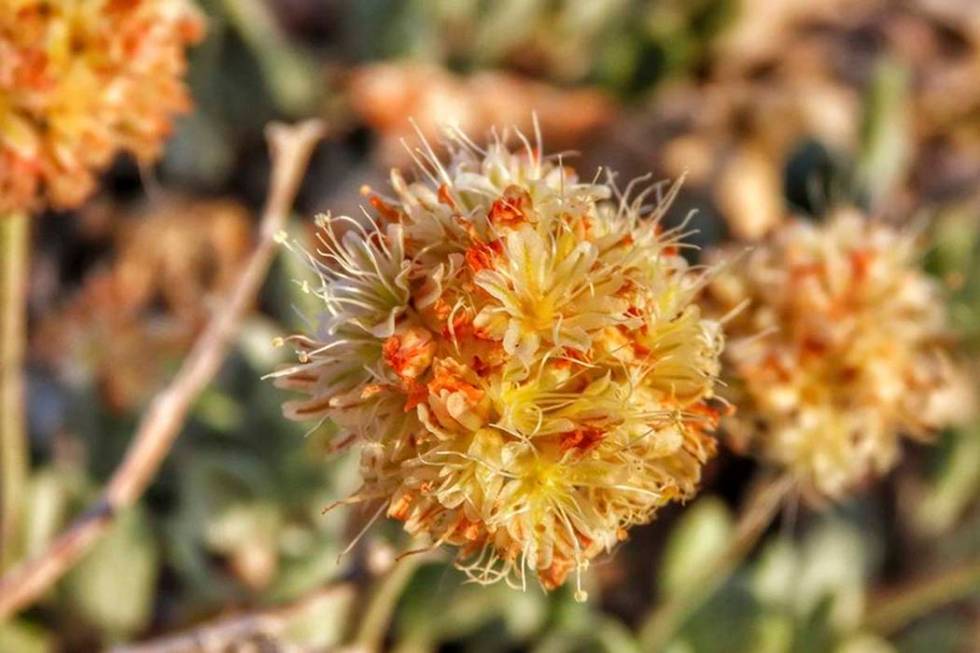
(14, 239)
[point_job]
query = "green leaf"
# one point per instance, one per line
(463, 609)
(773, 633)
(615, 637)
(727, 623)
(247, 534)
(775, 574)
(322, 622)
(219, 410)
(865, 643)
(505, 25)
(833, 571)
(956, 484)
(21, 637)
(200, 150)
(302, 279)
(47, 503)
(257, 339)
(884, 156)
(113, 586)
(291, 73)
(698, 539)
(942, 633)
(316, 566)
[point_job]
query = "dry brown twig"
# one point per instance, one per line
(14, 244)
(290, 148)
(367, 617)
(893, 608)
(236, 632)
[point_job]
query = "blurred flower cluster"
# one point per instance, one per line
(129, 318)
(78, 83)
(838, 350)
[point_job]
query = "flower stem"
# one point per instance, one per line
(14, 238)
(381, 605)
(755, 516)
(895, 608)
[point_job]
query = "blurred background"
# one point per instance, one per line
(770, 107)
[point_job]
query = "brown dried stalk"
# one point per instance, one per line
(14, 239)
(368, 614)
(290, 149)
(370, 606)
(232, 632)
(894, 608)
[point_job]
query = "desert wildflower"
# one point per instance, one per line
(518, 355)
(81, 81)
(839, 352)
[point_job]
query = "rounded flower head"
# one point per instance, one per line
(519, 355)
(838, 352)
(80, 81)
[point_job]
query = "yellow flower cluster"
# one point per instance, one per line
(80, 81)
(518, 356)
(838, 353)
